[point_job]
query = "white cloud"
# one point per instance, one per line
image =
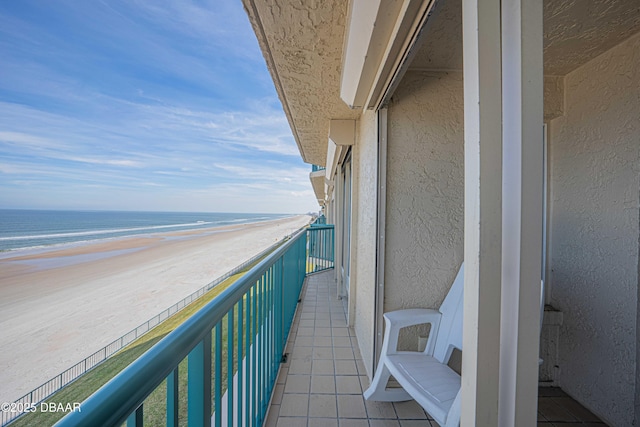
(158, 104)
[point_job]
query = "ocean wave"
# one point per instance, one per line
(99, 232)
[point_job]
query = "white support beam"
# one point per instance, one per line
(503, 91)
(378, 41)
(364, 42)
(523, 143)
(482, 211)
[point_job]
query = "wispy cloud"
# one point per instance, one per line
(167, 100)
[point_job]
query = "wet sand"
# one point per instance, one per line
(59, 306)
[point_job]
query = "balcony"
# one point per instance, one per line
(321, 383)
(317, 177)
(220, 366)
(283, 334)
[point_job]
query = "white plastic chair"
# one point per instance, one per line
(424, 376)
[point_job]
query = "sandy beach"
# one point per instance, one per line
(59, 306)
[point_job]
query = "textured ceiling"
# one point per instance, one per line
(302, 43)
(575, 31)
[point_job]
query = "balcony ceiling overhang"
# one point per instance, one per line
(575, 32)
(317, 182)
(302, 45)
(323, 53)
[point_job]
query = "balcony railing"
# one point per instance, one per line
(233, 347)
(316, 168)
(320, 255)
(321, 220)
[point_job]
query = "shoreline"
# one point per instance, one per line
(53, 317)
(112, 244)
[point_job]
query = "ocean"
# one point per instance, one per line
(32, 229)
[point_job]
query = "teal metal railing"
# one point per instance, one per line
(233, 347)
(320, 251)
(316, 168)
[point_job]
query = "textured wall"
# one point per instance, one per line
(553, 97)
(594, 255)
(425, 183)
(363, 246)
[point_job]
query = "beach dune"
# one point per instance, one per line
(59, 306)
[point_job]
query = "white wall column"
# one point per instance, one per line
(523, 165)
(338, 228)
(503, 211)
(482, 212)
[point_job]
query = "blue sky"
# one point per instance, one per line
(142, 105)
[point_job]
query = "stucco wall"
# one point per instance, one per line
(425, 183)
(363, 246)
(594, 153)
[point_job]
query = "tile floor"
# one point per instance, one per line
(322, 381)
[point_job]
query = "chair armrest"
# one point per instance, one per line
(411, 316)
(396, 320)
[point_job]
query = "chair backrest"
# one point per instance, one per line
(450, 330)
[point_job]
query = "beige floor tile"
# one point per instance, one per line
(356, 353)
(384, 423)
(304, 342)
(292, 422)
(325, 384)
(345, 353)
(297, 384)
(380, 409)
(323, 342)
(322, 367)
(348, 384)
(322, 332)
(294, 405)
(351, 406)
(340, 332)
(409, 410)
(305, 332)
(278, 391)
(415, 423)
(302, 353)
(345, 422)
(322, 353)
(282, 375)
(300, 367)
(346, 367)
(323, 422)
(272, 416)
(323, 406)
(341, 341)
(364, 382)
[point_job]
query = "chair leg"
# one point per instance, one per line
(378, 390)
